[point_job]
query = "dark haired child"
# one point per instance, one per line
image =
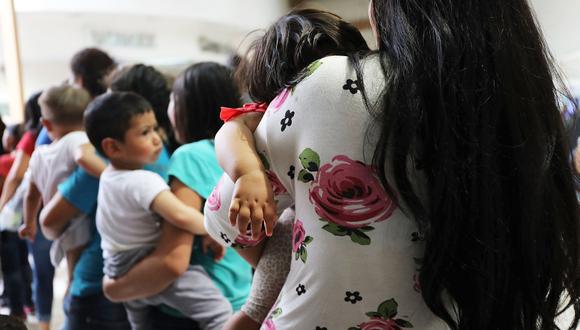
(289, 52)
(131, 203)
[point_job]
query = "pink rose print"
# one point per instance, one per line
(384, 318)
(277, 186)
(214, 202)
(379, 324)
(348, 194)
(269, 325)
(277, 103)
(298, 235)
(300, 241)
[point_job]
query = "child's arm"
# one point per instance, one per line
(253, 199)
(170, 208)
(87, 158)
(31, 206)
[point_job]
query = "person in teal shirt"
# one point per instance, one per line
(197, 96)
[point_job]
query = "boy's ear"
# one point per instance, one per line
(47, 124)
(111, 147)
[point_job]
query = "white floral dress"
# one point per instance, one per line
(355, 254)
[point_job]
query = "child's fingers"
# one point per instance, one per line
(270, 217)
(256, 228)
(243, 218)
(234, 209)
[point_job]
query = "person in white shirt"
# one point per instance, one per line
(132, 202)
(62, 110)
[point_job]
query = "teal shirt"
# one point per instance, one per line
(196, 166)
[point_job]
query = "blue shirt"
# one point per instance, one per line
(81, 189)
(196, 166)
(43, 137)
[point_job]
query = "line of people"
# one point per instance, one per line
(422, 185)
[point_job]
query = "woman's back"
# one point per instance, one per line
(355, 254)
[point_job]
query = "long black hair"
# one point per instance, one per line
(277, 59)
(198, 95)
(471, 108)
(32, 114)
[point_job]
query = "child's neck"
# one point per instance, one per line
(121, 164)
(62, 130)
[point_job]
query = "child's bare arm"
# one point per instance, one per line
(170, 208)
(253, 199)
(32, 203)
(235, 147)
(87, 158)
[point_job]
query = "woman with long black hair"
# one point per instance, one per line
(430, 178)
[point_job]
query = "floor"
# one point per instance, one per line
(60, 282)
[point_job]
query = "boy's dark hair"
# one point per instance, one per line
(92, 65)
(148, 82)
(109, 116)
(297, 39)
(15, 130)
(198, 94)
(64, 104)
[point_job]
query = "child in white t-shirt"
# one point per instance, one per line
(62, 109)
(131, 203)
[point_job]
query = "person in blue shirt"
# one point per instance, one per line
(197, 96)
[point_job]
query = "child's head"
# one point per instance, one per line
(197, 95)
(290, 45)
(89, 67)
(63, 106)
(122, 127)
(11, 136)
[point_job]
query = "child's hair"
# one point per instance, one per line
(297, 39)
(198, 94)
(15, 130)
(11, 136)
(148, 82)
(109, 116)
(64, 104)
(91, 65)
(32, 113)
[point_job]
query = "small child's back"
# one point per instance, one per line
(52, 164)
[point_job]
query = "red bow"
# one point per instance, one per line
(227, 114)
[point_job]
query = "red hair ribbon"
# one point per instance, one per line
(227, 114)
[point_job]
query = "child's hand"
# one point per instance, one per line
(27, 231)
(253, 203)
(208, 243)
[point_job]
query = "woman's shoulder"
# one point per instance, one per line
(332, 70)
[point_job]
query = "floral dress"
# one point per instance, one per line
(355, 255)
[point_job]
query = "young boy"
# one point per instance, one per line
(62, 109)
(131, 203)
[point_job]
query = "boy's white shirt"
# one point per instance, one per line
(124, 218)
(51, 164)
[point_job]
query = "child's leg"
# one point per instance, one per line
(196, 296)
(137, 313)
(271, 273)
